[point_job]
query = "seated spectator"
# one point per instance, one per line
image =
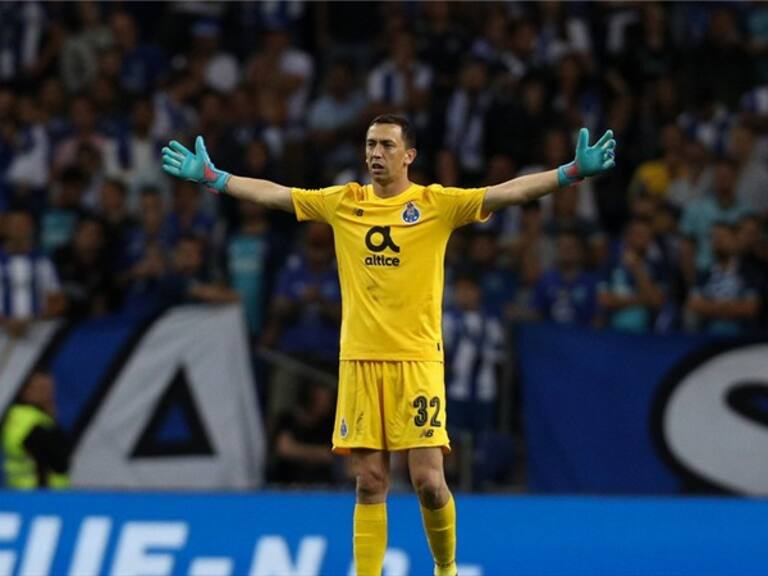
(247, 253)
(29, 286)
(497, 282)
(131, 156)
(85, 273)
(567, 294)
(59, 220)
(187, 280)
(654, 177)
(301, 453)
(466, 119)
(700, 216)
(306, 310)
(565, 216)
(36, 450)
(474, 346)
(401, 82)
(186, 215)
(146, 252)
(334, 121)
(120, 227)
(633, 290)
(752, 179)
(753, 251)
(725, 299)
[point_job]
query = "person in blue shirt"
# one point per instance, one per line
(474, 342)
(633, 288)
(567, 293)
(725, 301)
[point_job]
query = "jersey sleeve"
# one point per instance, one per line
(319, 205)
(460, 206)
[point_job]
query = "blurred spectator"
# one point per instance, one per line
(186, 215)
(567, 293)
(753, 251)
(561, 32)
(694, 181)
(132, 155)
(80, 53)
(29, 287)
(84, 130)
(700, 215)
(22, 29)
(220, 68)
(59, 220)
(649, 49)
(85, 273)
(401, 82)
(146, 254)
(443, 44)
(285, 70)
(725, 300)
(634, 288)
(248, 251)
(335, 121)
(30, 144)
(565, 217)
(142, 65)
(474, 347)
(752, 182)
(654, 177)
(306, 310)
(36, 450)
(187, 279)
(496, 281)
(531, 252)
(120, 227)
(724, 57)
(302, 454)
(466, 118)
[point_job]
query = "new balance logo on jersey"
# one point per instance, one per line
(378, 239)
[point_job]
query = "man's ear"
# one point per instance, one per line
(410, 156)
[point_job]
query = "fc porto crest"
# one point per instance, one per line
(344, 430)
(411, 214)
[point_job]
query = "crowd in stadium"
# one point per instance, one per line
(673, 239)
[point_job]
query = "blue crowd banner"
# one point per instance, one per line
(309, 534)
(615, 413)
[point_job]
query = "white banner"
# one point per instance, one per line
(203, 349)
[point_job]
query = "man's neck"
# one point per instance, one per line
(392, 188)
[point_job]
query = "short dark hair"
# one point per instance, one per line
(409, 136)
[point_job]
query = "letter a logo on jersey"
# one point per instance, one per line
(411, 213)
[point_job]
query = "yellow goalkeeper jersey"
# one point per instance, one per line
(390, 254)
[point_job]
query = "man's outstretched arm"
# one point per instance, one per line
(589, 161)
(197, 166)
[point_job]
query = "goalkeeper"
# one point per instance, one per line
(390, 241)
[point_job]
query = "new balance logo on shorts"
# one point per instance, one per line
(426, 433)
(378, 239)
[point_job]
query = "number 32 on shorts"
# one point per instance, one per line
(422, 412)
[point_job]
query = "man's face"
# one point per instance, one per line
(19, 232)
(386, 154)
(569, 251)
(725, 180)
(39, 391)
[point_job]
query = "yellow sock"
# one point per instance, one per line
(440, 526)
(370, 538)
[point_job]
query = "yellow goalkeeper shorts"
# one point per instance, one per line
(390, 406)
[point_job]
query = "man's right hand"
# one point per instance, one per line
(180, 162)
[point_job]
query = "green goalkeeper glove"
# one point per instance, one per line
(590, 160)
(180, 162)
